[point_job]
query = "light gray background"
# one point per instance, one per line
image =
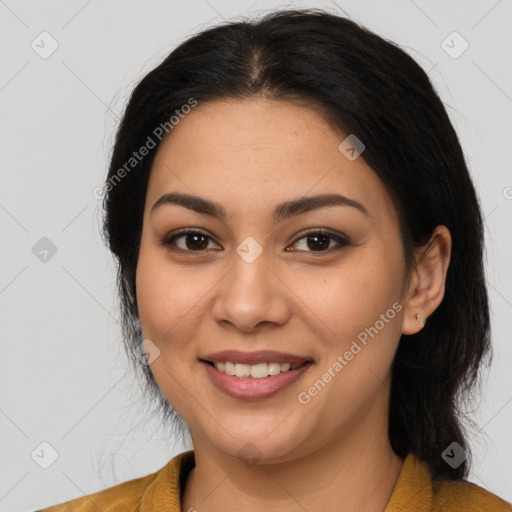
(63, 374)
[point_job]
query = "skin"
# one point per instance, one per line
(334, 452)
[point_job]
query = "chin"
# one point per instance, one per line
(263, 449)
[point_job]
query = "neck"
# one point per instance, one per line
(357, 473)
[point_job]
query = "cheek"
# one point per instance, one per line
(170, 308)
(359, 304)
(352, 296)
(168, 296)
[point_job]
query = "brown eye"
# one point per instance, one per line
(320, 241)
(192, 241)
(197, 241)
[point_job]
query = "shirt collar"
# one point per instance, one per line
(412, 491)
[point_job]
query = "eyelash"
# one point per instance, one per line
(168, 241)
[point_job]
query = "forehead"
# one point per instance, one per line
(255, 153)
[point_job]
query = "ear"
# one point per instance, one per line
(427, 283)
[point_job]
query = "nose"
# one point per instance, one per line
(251, 294)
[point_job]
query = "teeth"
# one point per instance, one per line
(256, 371)
(229, 368)
(260, 370)
(242, 370)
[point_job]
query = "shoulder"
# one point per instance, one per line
(122, 497)
(463, 495)
(417, 489)
(157, 491)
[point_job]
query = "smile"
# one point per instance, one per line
(253, 382)
(256, 371)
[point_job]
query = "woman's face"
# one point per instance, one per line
(255, 280)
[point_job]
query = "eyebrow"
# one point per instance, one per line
(281, 211)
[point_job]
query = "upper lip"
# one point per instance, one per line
(260, 356)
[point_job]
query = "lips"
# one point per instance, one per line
(250, 388)
(260, 356)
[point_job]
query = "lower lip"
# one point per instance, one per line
(248, 388)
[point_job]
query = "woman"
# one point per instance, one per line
(295, 226)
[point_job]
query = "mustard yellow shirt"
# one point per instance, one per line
(415, 491)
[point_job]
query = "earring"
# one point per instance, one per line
(418, 317)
